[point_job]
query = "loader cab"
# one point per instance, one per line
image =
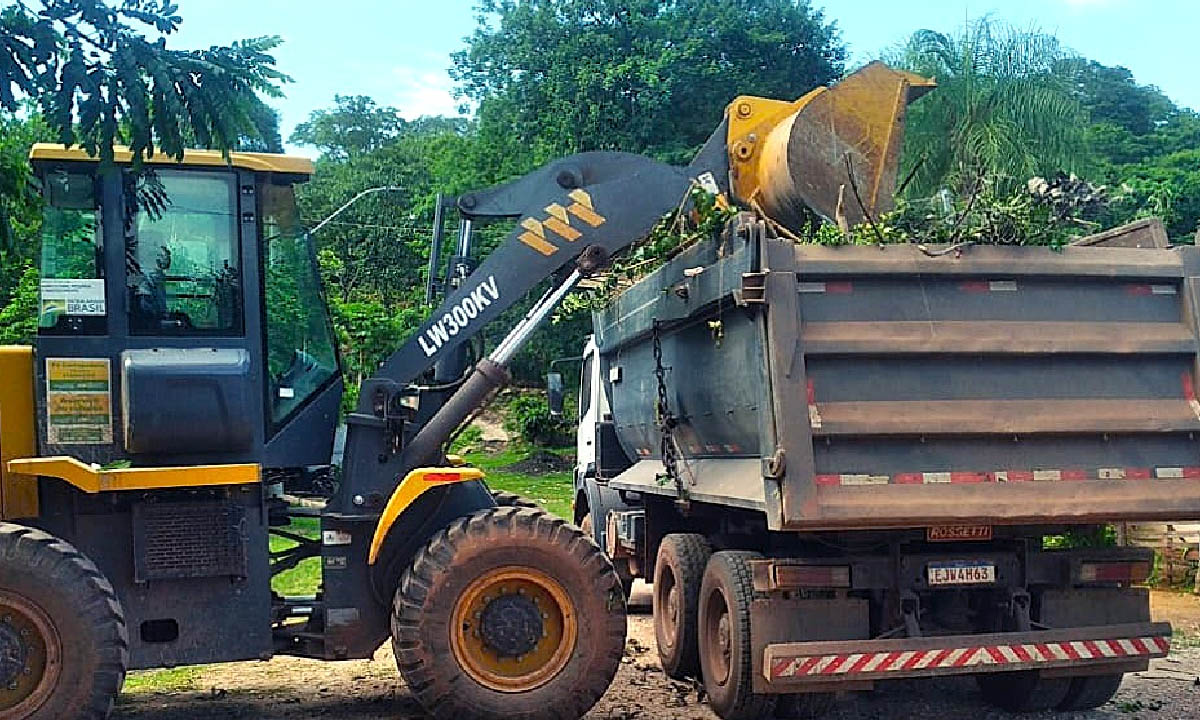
(180, 317)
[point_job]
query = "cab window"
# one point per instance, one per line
(301, 354)
(183, 271)
(72, 284)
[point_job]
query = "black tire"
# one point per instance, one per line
(805, 706)
(1091, 691)
(1023, 691)
(509, 499)
(678, 572)
(58, 597)
(435, 596)
(725, 652)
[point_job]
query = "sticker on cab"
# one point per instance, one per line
(70, 297)
(78, 401)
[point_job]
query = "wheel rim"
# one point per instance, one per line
(30, 655)
(514, 629)
(717, 639)
(669, 602)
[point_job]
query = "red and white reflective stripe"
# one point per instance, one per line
(988, 286)
(840, 287)
(971, 656)
(814, 415)
(1008, 476)
(1189, 393)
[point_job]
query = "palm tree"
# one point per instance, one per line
(1003, 111)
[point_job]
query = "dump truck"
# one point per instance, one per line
(843, 465)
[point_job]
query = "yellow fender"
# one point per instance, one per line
(414, 485)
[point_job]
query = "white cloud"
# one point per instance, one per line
(422, 92)
(1086, 4)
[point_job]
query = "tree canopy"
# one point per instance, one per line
(102, 73)
(1003, 110)
(647, 76)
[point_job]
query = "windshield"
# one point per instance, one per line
(301, 353)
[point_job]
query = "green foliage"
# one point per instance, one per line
(1002, 111)
(99, 79)
(1084, 536)
(528, 416)
(1046, 212)
(19, 315)
(701, 217)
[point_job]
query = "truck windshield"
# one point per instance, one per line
(301, 354)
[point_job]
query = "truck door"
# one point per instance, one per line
(585, 433)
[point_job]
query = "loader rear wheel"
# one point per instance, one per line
(509, 613)
(678, 572)
(725, 653)
(1023, 691)
(63, 644)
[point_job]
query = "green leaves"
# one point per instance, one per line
(99, 80)
(649, 76)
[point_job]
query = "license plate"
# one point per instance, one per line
(961, 573)
(951, 533)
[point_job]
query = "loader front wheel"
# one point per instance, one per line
(63, 644)
(509, 613)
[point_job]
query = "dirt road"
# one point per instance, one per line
(370, 690)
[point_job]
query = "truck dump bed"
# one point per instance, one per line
(867, 387)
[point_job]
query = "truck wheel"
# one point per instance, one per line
(678, 572)
(509, 499)
(725, 654)
(63, 644)
(1091, 691)
(1023, 691)
(509, 613)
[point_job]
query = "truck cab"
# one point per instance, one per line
(599, 456)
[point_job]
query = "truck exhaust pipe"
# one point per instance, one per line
(813, 154)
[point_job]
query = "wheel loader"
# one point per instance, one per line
(184, 388)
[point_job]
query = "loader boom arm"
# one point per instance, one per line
(574, 212)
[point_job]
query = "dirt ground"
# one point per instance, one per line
(362, 690)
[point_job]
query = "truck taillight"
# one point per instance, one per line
(1131, 572)
(789, 577)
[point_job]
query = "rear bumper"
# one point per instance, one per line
(1119, 648)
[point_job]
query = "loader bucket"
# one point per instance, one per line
(813, 153)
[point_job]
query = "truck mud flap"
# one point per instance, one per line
(1075, 651)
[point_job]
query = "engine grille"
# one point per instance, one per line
(188, 540)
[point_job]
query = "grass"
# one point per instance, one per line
(168, 680)
(552, 491)
(305, 577)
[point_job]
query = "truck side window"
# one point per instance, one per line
(585, 386)
(72, 267)
(183, 274)
(301, 354)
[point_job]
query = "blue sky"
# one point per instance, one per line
(398, 52)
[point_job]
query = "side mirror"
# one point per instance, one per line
(554, 393)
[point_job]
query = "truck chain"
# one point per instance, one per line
(667, 423)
